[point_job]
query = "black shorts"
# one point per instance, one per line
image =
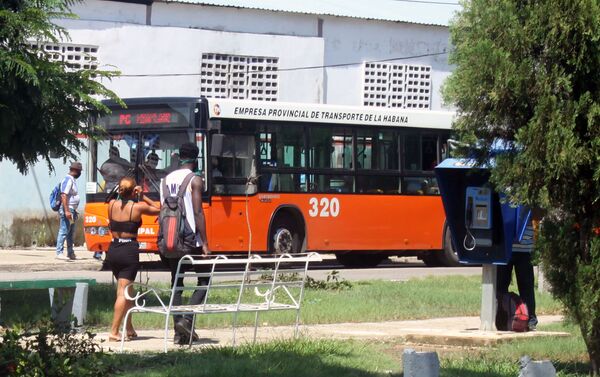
(124, 259)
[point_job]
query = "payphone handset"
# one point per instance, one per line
(478, 217)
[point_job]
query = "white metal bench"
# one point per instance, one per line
(260, 284)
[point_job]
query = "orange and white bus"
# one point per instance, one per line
(284, 177)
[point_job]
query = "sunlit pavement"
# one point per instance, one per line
(454, 331)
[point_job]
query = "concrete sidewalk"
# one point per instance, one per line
(43, 259)
(431, 333)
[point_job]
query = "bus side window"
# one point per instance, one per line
(412, 152)
(429, 152)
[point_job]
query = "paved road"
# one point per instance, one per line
(396, 269)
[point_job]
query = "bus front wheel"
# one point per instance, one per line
(448, 257)
(284, 236)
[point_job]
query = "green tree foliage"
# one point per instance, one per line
(43, 104)
(527, 73)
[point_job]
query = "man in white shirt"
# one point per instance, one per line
(188, 154)
(69, 198)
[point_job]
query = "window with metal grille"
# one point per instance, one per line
(239, 77)
(397, 85)
(75, 56)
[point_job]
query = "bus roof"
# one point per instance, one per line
(150, 100)
(318, 113)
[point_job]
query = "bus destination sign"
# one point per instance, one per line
(133, 118)
(147, 118)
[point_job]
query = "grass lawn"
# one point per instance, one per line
(364, 301)
(320, 358)
(332, 358)
(367, 301)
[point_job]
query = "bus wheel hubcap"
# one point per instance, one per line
(283, 241)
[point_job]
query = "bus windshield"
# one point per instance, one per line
(141, 141)
(147, 156)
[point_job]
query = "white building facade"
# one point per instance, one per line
(384, 53)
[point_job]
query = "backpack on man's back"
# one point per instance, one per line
(512, 314)
(55, 198)
(175, 236)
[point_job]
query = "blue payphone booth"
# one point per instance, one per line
(483, 228)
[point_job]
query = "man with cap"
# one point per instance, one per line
(152, 175)
(69, 198)
(188, 154)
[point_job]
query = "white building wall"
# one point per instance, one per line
(235, 20)
(150, 50)
(27, 196)
(354, 40)
(112, 11)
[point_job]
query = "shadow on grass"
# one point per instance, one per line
(274, 359)
(33, 305)
(578, 368)
(507, 369)
(24, 307)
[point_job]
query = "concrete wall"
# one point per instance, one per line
(354, 40)
(27, 197)
(236, 20)
(345, 40)
(140, 49)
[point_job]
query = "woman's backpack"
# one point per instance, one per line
(175, 236)
(512, 314)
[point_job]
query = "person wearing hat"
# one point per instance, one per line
(67, 212)
(188, 154)
(152, 175)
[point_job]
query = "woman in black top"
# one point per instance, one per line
(125, 217)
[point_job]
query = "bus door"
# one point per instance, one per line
(231, 171)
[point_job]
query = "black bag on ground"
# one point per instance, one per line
(512, 314)
(175, 236)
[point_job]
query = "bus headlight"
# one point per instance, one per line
(91, 230)
(96, 230)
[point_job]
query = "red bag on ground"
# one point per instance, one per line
(512, 314)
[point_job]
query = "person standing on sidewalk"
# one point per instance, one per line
(123, 256)
(521, 261)
(188, 154)
(69, 198)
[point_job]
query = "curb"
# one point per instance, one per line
(42, 267)
(476, 339)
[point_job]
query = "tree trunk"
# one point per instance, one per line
(593, 346)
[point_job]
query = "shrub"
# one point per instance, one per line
(49, 351)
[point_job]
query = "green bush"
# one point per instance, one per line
(48, 351)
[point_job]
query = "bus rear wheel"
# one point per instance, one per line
(359, 260)
(284, 236)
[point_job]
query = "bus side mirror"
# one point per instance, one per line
(216, 145)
